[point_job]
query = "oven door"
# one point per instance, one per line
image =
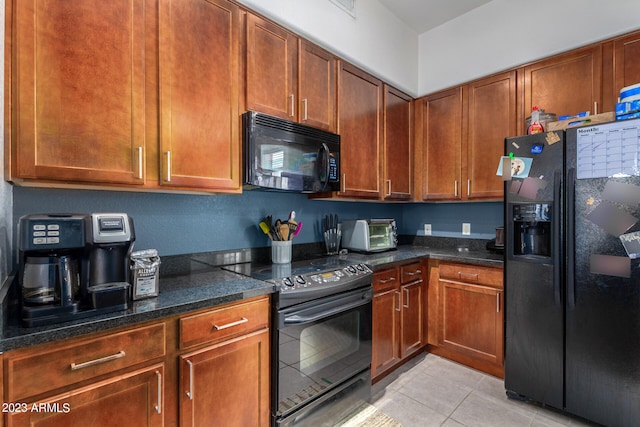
(321, 346)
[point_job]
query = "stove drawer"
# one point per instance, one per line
(224, 322)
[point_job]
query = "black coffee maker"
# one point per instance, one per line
(73, 265)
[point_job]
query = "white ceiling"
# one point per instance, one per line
(423, 15)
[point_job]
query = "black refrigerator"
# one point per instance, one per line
(572, 271)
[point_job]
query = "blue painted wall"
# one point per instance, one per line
(178, 223)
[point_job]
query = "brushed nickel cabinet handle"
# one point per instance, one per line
(455, 188)
(406, 292)
(168, 153)
(468, 187)
(190, 392)
(468, 275)
(413, 273)
(140, 162)
(118, 355)
(388, 187)
(230, 325)
(158, 407)
(498, 302)
(293, 105)
(305, 115)
(383, 281)
(344, 182)
(595, 107)
(399, 298)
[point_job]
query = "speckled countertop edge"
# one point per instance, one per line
(210, 288)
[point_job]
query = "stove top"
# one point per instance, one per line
(307, 280)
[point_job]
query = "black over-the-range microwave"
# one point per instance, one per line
(283, 155)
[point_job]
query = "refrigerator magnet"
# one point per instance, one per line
(611, 218)
(631, 243)
(520, 167)
(610, 265)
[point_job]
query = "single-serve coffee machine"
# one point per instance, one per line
(73, 265)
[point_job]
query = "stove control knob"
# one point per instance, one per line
(301, 280)
(287, 282)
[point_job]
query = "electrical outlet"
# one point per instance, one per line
(427, 229)
(466, 228)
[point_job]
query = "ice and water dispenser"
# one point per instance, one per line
(532, 228)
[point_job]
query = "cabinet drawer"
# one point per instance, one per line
(32, 373)
(472, 274)
(385, 280)
(411, 272)
(224, 322)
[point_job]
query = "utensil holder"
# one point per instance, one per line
(332, 241)
(281, 251)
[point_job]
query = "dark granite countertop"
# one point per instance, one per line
(203, 285)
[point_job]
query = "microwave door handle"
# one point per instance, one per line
(327, 171)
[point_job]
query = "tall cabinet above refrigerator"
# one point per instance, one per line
(572, 271)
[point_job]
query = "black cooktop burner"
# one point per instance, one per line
(279, 271)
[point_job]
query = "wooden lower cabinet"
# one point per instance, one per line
(398, 317)
(469, 315)
(227, 384)
(132, 399)
(205, 368)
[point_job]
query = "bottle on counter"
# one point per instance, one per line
(535, 126)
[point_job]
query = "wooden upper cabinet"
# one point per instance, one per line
(272, 61)
(199, 84)
(79, 91)
(491, 116)
(398, 136)
(564, 84)
(289, 77)
(359, 126)
(441, 145)
(626, 62)
(316, 87)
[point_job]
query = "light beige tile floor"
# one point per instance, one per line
(432, 391)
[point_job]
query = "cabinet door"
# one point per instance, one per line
(133, 399)
(565, 84)
(411, 336)
(471, 320)
(359, 126)
(491, 117)
(272, 55)
(626, 62)
(79, 91)
(317, 87)
(398, 153)
(226, 384)
(199, 75)
(386, 327)
(442, 145)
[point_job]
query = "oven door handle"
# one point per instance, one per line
(314, 314)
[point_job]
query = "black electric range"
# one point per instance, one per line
(307, 280)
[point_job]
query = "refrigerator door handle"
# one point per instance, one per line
(557, 237)
(570, 240)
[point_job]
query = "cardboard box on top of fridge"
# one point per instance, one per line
(575, 122)
(628, 107)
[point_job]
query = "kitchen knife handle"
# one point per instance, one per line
(140, 162)
(158, 407)
(168, 153)
(190, 392)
